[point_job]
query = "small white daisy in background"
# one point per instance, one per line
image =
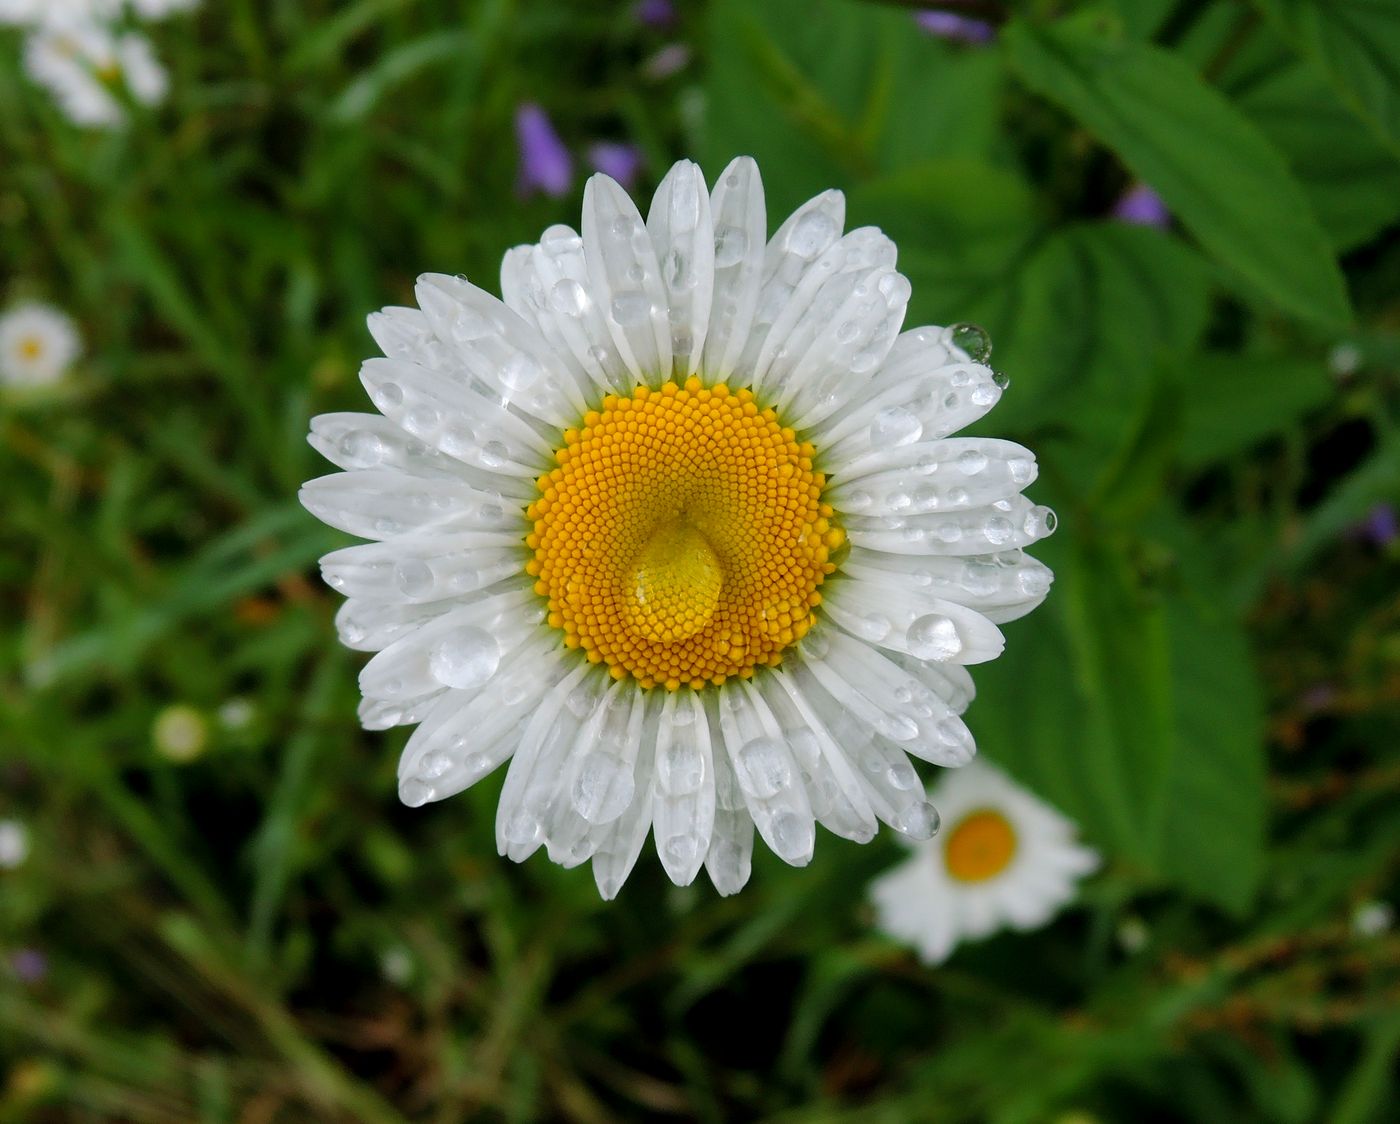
(396, 965)
(1344, 360)
(1372, 918)
(1133, 935)
(180, 733)
(236, 714)
(159, 9)
(1005, 858)
(14, 844)
(678, 529)
(32, 13)
(86, 66)
(38, 344)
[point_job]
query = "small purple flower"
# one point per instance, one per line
(654, 13)
(621, 161)
(545, 164)
(1381, 526)
(1141, 206)
(29, 965)
(955, 28)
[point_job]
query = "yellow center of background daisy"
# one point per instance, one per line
(31, 347)
(682, 537)
(981, 846)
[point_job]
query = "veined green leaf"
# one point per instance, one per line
(1225, 182)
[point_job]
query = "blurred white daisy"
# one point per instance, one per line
(86, 67)
(679, 531)
(180, 733)
(159, 9)
(14, 844)
(29, 13)
(1004, 858)
(38, 343)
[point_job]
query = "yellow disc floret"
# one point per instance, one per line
(682, 537)
(981, 846)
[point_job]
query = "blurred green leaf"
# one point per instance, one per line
(1143, 724)
(1233, 401)
(1217, 173)
(1357, 43)
(1351, 177)
(829, 93)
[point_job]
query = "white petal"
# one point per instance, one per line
(353, 441)
(615, 853)
(1001, 526)
(467, 735)
(881, 611)
(802, 239)
(461, 649)
(895, 704)
(499, 349)
(540, 758)
(836, 347)
(626, 279)
(833, 787)
(547, 285)
(861, 255)
(406, 334)
(371, 626)
(767, 775)
(684, 238)
(730, 857)
(381, 503)
(1002, 587)
(684, 801)
(942, 475)
(741, 225)
(453, 417)
(425, 569)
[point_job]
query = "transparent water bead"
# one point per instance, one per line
(934, 637)
(467, 658)
(731, 244)
(894, 426)
(763, 768)
(603, 787)
(812, 234)
(972, 340)
(919, 821)
(630, 308)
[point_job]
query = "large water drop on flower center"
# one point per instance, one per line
(672, 588)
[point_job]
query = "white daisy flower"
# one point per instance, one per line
(678, 530)
(38, 344)
(84, 64)
(29, 13)
(1004, 858)
(14, 844)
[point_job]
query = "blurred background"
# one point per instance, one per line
(1176, 219)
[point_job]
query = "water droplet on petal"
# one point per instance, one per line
(731, 244)
(603, 787)
(630, 308)
(361, 448)
(763, 769)
(811, 234)
(972, 341)
(414, 577)
(467, 658)
(894, 426)
(933, 637)
(918, 821)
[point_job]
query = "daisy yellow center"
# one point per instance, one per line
(31, 347)
(980, 847)
(682, 537)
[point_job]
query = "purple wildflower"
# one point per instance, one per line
(29, 965)
(1381, 526)
(621, 161)
(1141, 206)
(654, 13)
(955, 28)
(545, 164)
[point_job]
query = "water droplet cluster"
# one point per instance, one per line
(682, 537)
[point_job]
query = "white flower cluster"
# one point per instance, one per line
(87, 56)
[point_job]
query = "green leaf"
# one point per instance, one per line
(829, 93)
(1232, 402)
(1225, 182)
(1135, 710)
(1357, 42)
(1351, 177)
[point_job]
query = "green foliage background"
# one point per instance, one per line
(1211, 690)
